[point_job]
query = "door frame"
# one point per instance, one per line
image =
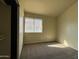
(14, 26)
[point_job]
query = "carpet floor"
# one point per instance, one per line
(48, 51)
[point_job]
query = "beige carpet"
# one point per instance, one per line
(48, 51)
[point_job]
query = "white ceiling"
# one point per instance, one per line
(47, 7)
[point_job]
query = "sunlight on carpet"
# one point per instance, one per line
(59, 46)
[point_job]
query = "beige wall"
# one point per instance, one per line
(68, 27)
(5, 23)
(21, 17)
(48, 34)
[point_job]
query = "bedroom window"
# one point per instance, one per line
(33, 25)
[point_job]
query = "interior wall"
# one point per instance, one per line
(5, 29)
(68, 27)
(49, 30)
(21, 17)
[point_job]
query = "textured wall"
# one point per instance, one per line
(68, 27)
(21, 17)
(49, 30)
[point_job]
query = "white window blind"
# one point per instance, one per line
(33, 25)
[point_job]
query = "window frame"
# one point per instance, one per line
(33, 18)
